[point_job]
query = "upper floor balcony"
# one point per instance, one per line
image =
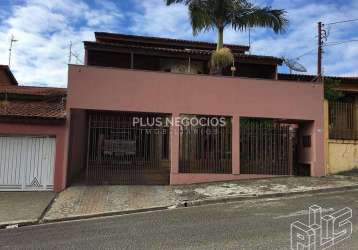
(176, 56)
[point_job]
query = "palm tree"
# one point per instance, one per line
(239, 14)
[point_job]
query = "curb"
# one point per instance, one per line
(264, 196)
(184, 204)
(22, 223)
(107, 214)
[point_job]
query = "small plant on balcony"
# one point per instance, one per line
(220, 59)
(239, 14)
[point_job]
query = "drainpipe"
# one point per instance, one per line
(132, 60)
(326, 136)
(189, 65)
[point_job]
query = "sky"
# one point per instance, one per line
(45, 28)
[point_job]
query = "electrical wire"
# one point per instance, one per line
(326, 45)
(339, 42)
(330, 43)
(306, 53)
(339, 22)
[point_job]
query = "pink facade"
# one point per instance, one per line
(97, 88)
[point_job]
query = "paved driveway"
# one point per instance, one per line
(84, 201)
(23, 207)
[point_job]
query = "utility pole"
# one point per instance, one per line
(319, 56)
(322, 37)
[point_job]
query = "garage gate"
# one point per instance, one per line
(26, 163)
(122, 153)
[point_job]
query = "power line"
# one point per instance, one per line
(340, 42)
(345, 21)
(309, 52)
(306, 53)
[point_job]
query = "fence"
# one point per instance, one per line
(121, 153)
(343, 120)
(265, 149)
(205, 149)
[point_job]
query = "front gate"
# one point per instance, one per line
(123, 152)
(266, 149)
(205, 149)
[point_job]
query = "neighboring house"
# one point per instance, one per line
(6, 76)
(341, 119)
(133, 77)
(32, 130)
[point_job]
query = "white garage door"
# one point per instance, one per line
(26, 163)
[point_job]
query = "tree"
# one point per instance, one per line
(331, 92)
(217, 15)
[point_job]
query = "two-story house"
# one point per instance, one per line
(271, 127)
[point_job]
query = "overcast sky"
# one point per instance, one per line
(45, 28)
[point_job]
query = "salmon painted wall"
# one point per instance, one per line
(146, 91)
(57, 131)
(77, 144)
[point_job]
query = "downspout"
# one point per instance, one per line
(189, 65)
(132, 60)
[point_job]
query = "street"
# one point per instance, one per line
(255, 224)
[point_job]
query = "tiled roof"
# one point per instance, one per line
(32, 109)
(32, 102)
(309, 78)
(183, 51)
(32, 90)
(162, 42)
(8, 73)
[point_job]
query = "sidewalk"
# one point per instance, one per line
(23, 208)
(89, 201)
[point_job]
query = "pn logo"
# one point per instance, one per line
(35, 183)
(322, 232)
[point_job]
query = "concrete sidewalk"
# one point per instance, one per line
(89, 201)
(23, 208)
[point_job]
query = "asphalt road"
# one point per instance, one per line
(259, 224)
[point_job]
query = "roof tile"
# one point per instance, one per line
(20, 105)
(34, 109)
(32, 90)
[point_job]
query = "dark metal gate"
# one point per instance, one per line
(121, 152)
(266, 149)
(205, 149)
(343, 120)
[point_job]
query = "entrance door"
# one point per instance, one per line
(26, 163)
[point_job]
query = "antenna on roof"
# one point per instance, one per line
(294, 65)
(70, 54)
(12, 41)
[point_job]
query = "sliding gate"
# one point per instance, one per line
(121, 151)
(266, 149)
